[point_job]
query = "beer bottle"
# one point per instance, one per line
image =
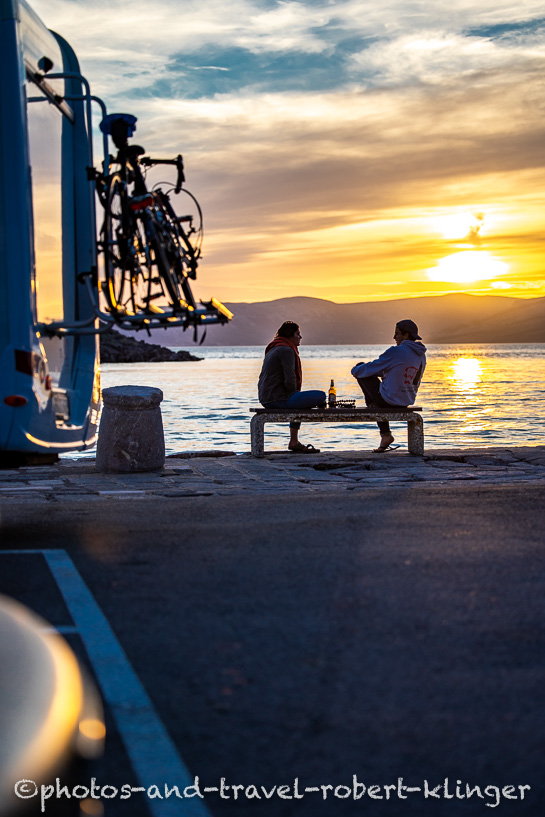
(332, 395)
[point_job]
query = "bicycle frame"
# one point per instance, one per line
(141, 234)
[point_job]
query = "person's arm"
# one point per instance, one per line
(287, 361)
(378, 366)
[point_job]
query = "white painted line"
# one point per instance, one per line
(152, 753)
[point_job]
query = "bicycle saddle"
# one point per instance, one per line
(132, 151)
(119, 126)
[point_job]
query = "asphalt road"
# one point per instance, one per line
(394, 633)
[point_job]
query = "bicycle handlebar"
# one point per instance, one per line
(178, 161)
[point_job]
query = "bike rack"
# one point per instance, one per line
(210, 312)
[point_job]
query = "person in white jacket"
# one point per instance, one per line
(392, 380)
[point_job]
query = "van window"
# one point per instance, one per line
(45, 145)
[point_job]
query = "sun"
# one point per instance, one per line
(466, 267)
(460, 225)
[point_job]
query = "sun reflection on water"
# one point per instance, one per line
(467, 373)
(471, 379)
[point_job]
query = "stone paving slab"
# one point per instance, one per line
(209, 475)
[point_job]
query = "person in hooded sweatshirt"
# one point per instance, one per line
(392, 380)
(281, 378)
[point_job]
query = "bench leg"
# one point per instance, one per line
(415, 435)
(257, 433)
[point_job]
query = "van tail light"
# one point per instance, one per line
(15, 400)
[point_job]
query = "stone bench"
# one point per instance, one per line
(415, 424)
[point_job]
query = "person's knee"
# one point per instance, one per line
(319, 398)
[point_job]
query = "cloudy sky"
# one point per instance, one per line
(349, 150)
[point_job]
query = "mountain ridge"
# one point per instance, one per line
(458, 318)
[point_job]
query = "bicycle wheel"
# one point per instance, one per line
(189, 247)
(115, 242)
(128, 270)
(169, 258)
(180, 265)
(132, 279)
(144, 283)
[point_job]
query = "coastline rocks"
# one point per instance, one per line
(118, 348)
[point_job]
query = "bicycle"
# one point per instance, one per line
(149, 252)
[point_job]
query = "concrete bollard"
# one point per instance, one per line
(131, 437)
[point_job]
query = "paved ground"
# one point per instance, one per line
(338, 615)
(243, 474)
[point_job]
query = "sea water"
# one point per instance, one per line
(471, 396)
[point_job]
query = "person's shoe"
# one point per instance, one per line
(299, 448)
(386, 441)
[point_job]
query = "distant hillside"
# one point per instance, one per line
(442, 319)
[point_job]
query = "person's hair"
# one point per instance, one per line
(287, 330)
(408, 327)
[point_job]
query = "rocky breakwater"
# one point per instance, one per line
(118, 348)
